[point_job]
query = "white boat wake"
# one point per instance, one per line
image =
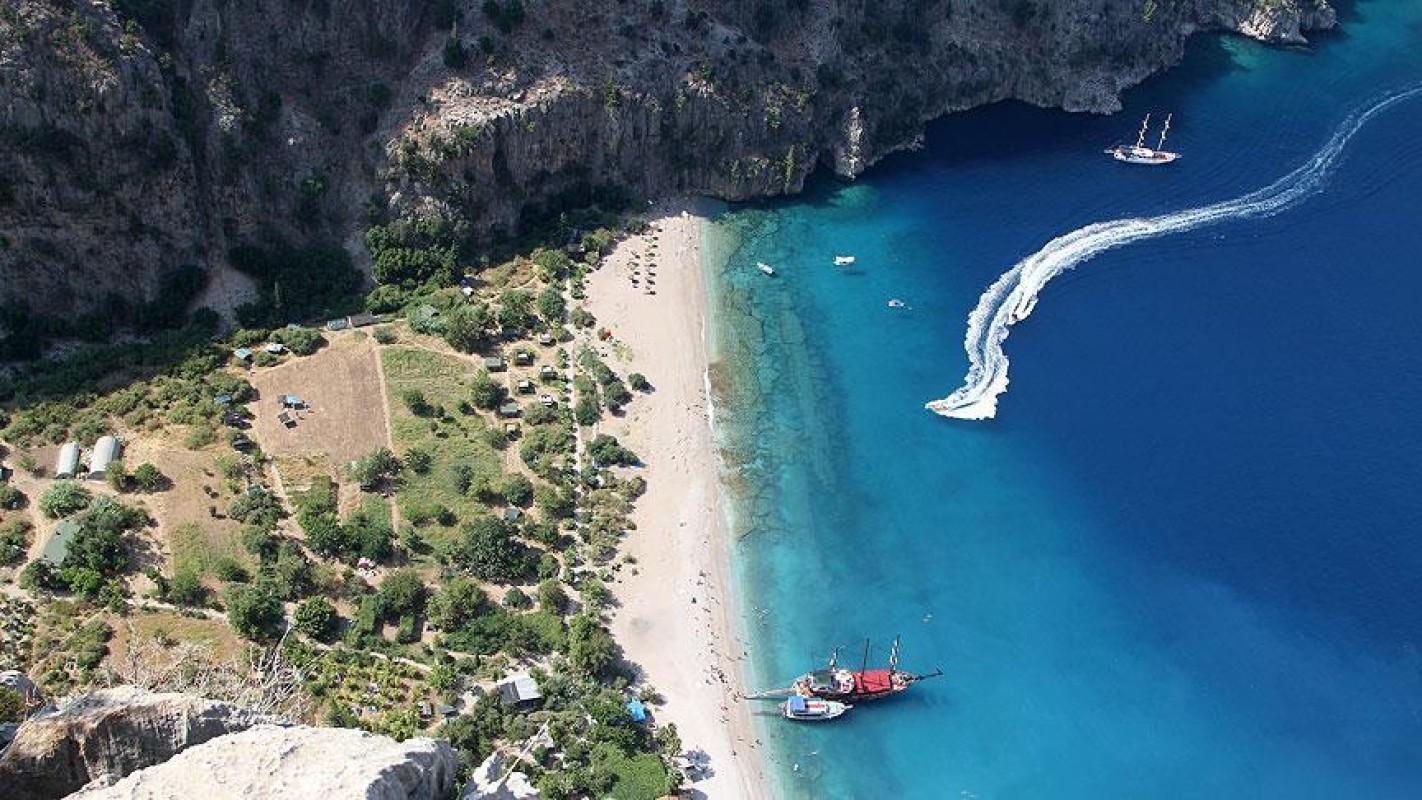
(1012, 298)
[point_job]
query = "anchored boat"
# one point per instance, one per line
(764, 267)
(1138, 153)
(812, 709)
(851, 686)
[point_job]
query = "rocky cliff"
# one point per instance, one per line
(130, 743)
(109, 733)
(140, 136)
(271, 763)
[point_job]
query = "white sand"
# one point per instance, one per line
(675, 620)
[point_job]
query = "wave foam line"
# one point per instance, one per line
(1013, 296)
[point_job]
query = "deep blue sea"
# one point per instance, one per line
(1185, 559)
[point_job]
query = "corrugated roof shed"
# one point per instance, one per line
(68, 463)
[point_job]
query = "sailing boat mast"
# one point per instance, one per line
(894, 657)
(834, 658)
(1145, 126)
(1164, 131)
(864, 666)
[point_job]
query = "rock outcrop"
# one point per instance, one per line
(275, 763)
(142, 136)
(110, 733)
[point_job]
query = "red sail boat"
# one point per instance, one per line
(851, 686)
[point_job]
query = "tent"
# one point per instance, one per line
(637, 710)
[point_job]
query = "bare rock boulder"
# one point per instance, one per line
(292, 763)
(108, 734)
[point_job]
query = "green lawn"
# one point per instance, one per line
(451, 439)
(200, 549)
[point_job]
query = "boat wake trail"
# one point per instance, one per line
(1013, 296)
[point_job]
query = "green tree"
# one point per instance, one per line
(11, 499)
(466, 327)
(258, 507)
(551, 305)
(639, 382)
(301, 341)
(64, 498)
(379, 466)
(486, 392)
(486, 548)
(402, 593)
(254, 611)
(586, 412)
(316, 618)
(591, 649)
(116, 475)
(517, 490)
(459, 600)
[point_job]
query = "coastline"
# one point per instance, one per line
(681, 545)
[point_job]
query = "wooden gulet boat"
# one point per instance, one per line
(850, 686)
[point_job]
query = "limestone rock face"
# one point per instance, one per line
(137, 138)
(277, 763)
(109, 733)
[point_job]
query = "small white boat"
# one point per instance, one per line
(841, 261)
(897, 303)
(764, 267)
(812, 709)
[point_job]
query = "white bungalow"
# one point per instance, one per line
(106, 451)
(68, 464)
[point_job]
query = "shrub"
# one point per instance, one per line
(586, 412)
(606, 451)
(414, 399)
(639, 382)
(616, 395)
(551, 597)
(583, 318)
(116, 475)
(185, 589)
(147, 477)
(516, 599)
(64, 498)
(11, 499)
(258, 507)
(419, 461)
(14, 541)
(301, 341)
(384, 334)
(591, 649)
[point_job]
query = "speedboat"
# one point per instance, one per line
(841, 261)
(764, 267)
(812, 709)
(897, 303)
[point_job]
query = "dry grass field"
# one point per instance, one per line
(345, 417)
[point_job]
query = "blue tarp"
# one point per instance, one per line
(797, 704)
(637, 710)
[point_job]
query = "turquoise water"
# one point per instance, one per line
(1183, 560)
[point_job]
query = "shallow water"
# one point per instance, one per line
(1182, 559)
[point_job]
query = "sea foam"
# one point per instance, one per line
(1013, 296)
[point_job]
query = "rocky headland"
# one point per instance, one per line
(143, 136)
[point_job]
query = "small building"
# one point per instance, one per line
(291, 401)
(546, 400)
(510, 410)
(241, 443)
(511, 429)
(547, 373)
(243, 354)
(523, 358)
(68, 464)
(513, 514)
(106, 451)
(363, 320)
(525, 387)
(58, 545)
(494, 363)
(275, 348)
(520, 691)
(545, 339)
(338, 324)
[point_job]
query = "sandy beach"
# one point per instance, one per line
(676, 622)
